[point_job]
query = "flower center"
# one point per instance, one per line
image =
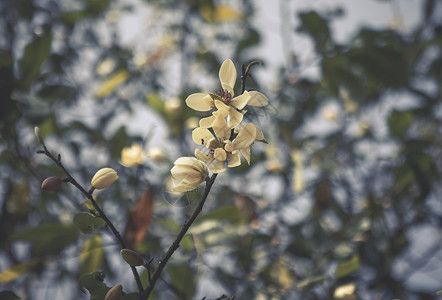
(225, 95)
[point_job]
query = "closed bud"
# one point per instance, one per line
(52, 183)
(114, 293)
(132, 257)
(38, 135)
(188, 173)
(104, 178)
(157, 154)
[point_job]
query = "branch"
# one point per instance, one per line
(89, 196)
(162, 263)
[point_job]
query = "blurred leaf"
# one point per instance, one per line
(43, 237)
(92, 255)
(8, 295)
(316, 26)
(399, 122)
(119, 141)
(181, 277)
(155, 102)
(93, 282)
(87, 223)
(112, 83)
(138, 221)
(310, 281)
(229, 213)
(220, 13)
(15, 272)
(36, 52)
(347, 267)
(252, 39)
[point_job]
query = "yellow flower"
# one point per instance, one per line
(132, 156)
(188, 173)
(223, 151)
(224, 99)
(104, 178)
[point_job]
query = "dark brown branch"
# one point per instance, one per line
(162, 263)
(89, 196)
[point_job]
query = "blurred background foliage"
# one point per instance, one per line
(344, 202)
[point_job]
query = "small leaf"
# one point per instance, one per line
(8, 295)
(36, 52)
(137, 225)
(92, 255)
(93, 282)
(182, 279)
(348, 267)
(87, 223)
(112, 83)
(15, 272)
(399, 122)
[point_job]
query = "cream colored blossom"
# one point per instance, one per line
(224, 99)
(188, 173)
(104, 178)
(224, 152)
(132, 156)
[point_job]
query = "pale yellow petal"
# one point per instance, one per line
(234, 119)
(185, 187)
(207, 158)
(259, 134)
(245, 137)
(201, 135)
(227, 75)
(207, 122)
(221, 106)
(200, 102)
(217, 167)
(257, 99)
(241, 101)
(185, 174)
(233, 159)
(220, 154)
(229, 146)
(246, 153)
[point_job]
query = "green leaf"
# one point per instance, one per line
(119, 141)
(93, 282)
(43, 237)
(182, 279)
(36, 52)
(92, 255)
(15, 272)
(155, 102)
(399, 122)
(8, 295)
(87, 223)
(348, 267)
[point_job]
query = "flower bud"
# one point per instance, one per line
(104, 178)
(173, 106)
(132, 156)
(114, 293)
(157, 154)
(132, 257)
(38, 135)
(52, 183)
(188, 173)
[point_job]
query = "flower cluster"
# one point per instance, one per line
(222, 133)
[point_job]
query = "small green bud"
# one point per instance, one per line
(114, 293)
(38, 135)
(52, 183)
(132, 257)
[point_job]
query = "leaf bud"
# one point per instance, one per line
(104, 178)
(51, 183)
(38, 135)
(114, 293)
(132, 257)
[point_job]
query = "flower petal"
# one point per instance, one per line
(222, 107)
(257, 99)
(227, 75)
(185, 187)
(207, 158)
(220, 154)
(207, 122)
(201, 135)
(200, 102)
(241, 101)
(245, 137)
(233, 159)
(234, 119)
(246, 153)
(217, 167)
(186, 174)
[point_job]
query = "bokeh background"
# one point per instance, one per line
(344, 202)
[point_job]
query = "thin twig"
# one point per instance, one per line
(162, 263)
(89, 196)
